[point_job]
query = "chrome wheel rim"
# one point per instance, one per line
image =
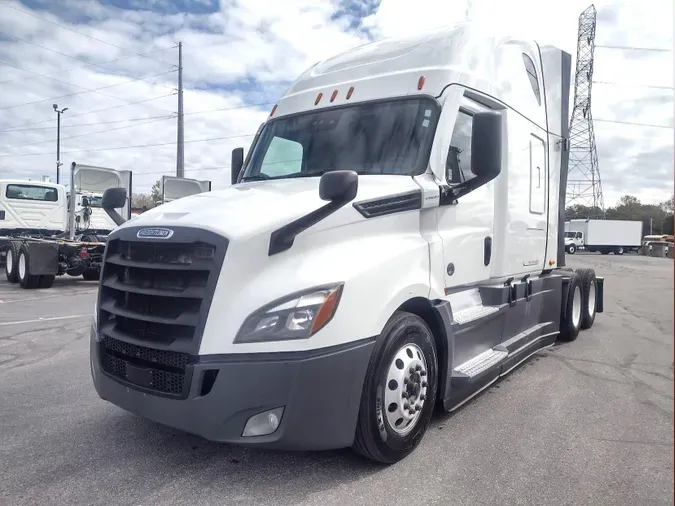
(9, 260)
(591, 299)
(22, 266)
(576, 306)
(405, 392)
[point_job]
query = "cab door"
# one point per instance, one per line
(466, 227)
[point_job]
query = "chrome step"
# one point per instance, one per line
(481, 363)
(473, 313)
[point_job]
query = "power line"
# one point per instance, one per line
(10, 129)
(77, 125)
(86, 90)
(670, 88)
(633, 123)
(77, 58)
(131, 147)
(79, 33)
(90, 133)
(632, 48)
(87, 66)
(17, 128)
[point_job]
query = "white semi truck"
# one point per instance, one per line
(603, 236)
(47, 231)
(392, 242)
(172, 188)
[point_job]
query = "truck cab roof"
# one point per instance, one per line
(421, 64)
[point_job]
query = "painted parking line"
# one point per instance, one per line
(36, 320)
(47, 296)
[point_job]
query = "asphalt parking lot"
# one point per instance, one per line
(589, 422)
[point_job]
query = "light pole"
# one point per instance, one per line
(58, 140)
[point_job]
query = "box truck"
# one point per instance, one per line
(604, 236)
(392, 242)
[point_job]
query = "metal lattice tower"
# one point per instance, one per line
(583, 178)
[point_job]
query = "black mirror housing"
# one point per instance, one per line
(114, 198)
(339, 186)
(486, 145)
(236, 164)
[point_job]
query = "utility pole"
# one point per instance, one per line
(58, 139)
(180, 167)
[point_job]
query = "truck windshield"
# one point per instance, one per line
(391, 137)
(570, 234)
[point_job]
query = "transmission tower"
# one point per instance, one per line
(583, 178)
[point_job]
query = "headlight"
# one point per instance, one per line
(297, 316)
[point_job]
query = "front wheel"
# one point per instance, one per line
(399, 392)
(618, 251)
(571, 249)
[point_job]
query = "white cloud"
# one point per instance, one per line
(267, 44)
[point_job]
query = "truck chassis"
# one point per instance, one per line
(34, 262)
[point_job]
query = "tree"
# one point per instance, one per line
(655, 218)
(156, 192)
(140, 200)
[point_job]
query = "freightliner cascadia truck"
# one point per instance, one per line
(391, 244)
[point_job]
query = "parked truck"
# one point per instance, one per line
(47, 232)
(603, 236)
(173, 188)
(392, 242)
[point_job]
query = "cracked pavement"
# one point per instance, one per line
(588, 422)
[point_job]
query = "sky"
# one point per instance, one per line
(113, 64)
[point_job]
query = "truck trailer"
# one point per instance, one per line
(603, 236)
(391, 243)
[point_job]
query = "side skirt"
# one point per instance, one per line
(504, 326)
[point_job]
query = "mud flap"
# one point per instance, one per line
(43, 258)
(599, 302)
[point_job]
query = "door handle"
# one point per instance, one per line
(487, 251)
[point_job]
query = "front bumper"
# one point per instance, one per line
(320, 391)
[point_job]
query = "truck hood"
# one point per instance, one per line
(252, 208)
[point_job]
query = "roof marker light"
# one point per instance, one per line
(274, 109)
(318, 98)
(349, 93)
(332, 97)
(420, 83)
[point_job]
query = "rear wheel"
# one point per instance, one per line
(399, 392)
(11, 262)
(589, 292)
(618, 251)
(570, 319)
(91, 275)
(26, 279)
(46, 281)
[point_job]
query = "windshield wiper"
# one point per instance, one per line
(256, 177)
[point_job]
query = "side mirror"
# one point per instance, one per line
(486, 145)
(237, 163)
(339, 186)
(85, 201)
(114, 198)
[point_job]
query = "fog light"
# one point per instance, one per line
(263, 423)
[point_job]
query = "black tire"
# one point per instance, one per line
(571, 249)
(11, 262)
(46, 281)
(91, 274)
(619, 251)
(589, 286)
(28, 281)
(569, 329)
(375, 438)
